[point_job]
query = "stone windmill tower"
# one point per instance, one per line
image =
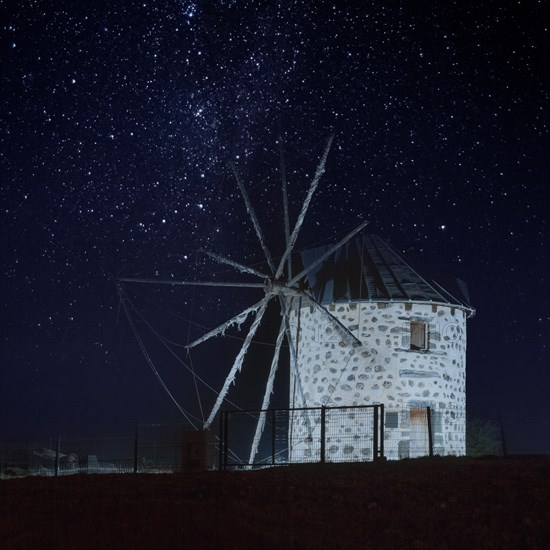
(412, 352)
(362, 327)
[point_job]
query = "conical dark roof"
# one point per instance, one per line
(369, 269)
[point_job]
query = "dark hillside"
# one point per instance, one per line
(423, 503)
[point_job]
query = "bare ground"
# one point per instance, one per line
(425, 503)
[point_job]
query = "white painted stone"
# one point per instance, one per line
(382, 370)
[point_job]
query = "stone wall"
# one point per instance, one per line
(384, 369)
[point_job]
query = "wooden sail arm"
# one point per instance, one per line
(330, 251)
(240, 267)
(346, 334)
(253, 217)
(220, 330)
(237, 365)
(313, 186)
(188, 283)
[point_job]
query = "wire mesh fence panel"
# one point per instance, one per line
(159, 448)
(396, 434)
(104, 455)
(298, 435)
(349, 434)
(270, 443)
(166, 448)
(239, 433)
(281, 451)
(24, 460)
(66, 456)
(148, 448)
(255, 438)
(407, 434)
(449, 429)
(418, 432)
(304, 435)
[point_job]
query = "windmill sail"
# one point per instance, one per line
(272, 285)
(267, 394)
(239, 267)
(237, 320)
(313, 186)
(253, 217)
(237, 365)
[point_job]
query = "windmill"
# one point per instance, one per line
(279, 284)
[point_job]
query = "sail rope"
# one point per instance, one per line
(180, 360)
(195, 324)
(186, 414)
(164, 341)
(149, 360)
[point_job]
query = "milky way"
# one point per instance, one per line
(119, 119)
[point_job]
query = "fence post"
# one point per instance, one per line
(136, 448)
(225, 439)
(273, 436)
(323, 432)
(430, 435)
(382, 421)
(375, 432)
(57, 447)
(220, 444)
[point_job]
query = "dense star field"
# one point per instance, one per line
(119, 119)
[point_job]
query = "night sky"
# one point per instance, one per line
(118, 120)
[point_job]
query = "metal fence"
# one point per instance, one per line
(301, 435)
(423, 431)
(339, 434)
(298, 435)
(146, 448)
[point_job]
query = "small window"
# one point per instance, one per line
(391, 420)
(419, 335)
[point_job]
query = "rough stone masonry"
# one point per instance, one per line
(387, 368)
